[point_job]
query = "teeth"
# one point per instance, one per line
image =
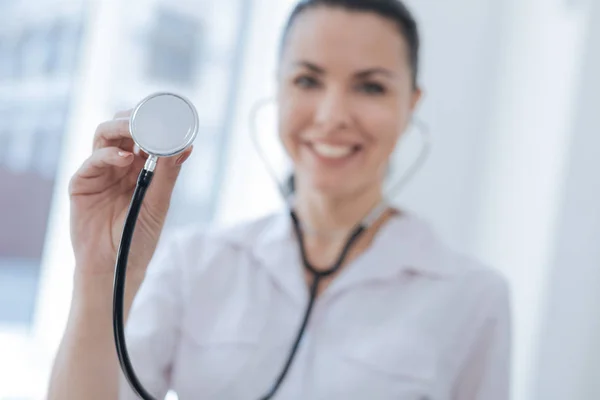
(332, 151)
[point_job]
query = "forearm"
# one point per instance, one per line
(86, 366)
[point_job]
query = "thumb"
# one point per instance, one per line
(164, 179)
(179, 160)
(171, 165)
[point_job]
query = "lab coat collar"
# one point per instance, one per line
(405, 244)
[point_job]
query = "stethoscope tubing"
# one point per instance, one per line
(143, 183)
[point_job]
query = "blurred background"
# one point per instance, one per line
(512, 98)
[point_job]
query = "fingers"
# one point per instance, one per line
(102, 159)
(170, 166)
(179, 159)
(167, 168)
(112, 133)
(184, 156)
(123, 114)
(139, 152)
(165, 177)
(116, 133)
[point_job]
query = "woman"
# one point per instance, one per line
(216, 313)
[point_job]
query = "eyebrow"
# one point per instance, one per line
(361, 74)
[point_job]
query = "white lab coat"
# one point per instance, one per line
(409, 319)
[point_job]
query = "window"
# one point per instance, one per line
(5, 57)
(47, 143)
(31, 132)
(23, 213)
(173, 48)
(54, 42)
(31, 52)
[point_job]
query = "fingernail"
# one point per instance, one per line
(124, 154)
(181, 159)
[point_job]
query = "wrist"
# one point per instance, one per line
(93, 291)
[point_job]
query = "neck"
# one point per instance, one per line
(327, 222)
(325, 215)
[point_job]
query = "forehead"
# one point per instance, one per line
(347, 39)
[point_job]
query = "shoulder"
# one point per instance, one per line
(480, 289)
(473, 275)
(470, 291)
(463, 272)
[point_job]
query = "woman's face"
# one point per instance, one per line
(345, 96)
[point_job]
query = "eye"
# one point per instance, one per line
(306, 82)
(371, 88)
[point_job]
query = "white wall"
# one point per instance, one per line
(501, 83)
(458, 67)
(247, 189)
(525, 161)
(570, 347)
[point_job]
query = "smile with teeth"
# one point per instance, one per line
(333, 151)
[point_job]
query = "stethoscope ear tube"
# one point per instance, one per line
(143, 183)
(365, 224)
(317, 276)
(393, 188)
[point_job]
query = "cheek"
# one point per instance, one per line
(294, 116)
(384, 125)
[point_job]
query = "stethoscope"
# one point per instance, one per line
(164, 125)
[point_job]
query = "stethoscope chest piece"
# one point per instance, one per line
(164, 124)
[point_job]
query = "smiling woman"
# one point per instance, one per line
(343, 296)
(342, 107)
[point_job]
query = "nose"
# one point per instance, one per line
(333, 111)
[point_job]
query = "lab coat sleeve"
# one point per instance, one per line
(153, 326)
(486, 373)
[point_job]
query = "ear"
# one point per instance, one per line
(415, 99)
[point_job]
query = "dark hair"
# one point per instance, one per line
(393, 10)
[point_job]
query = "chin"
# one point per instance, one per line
(334, 187)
